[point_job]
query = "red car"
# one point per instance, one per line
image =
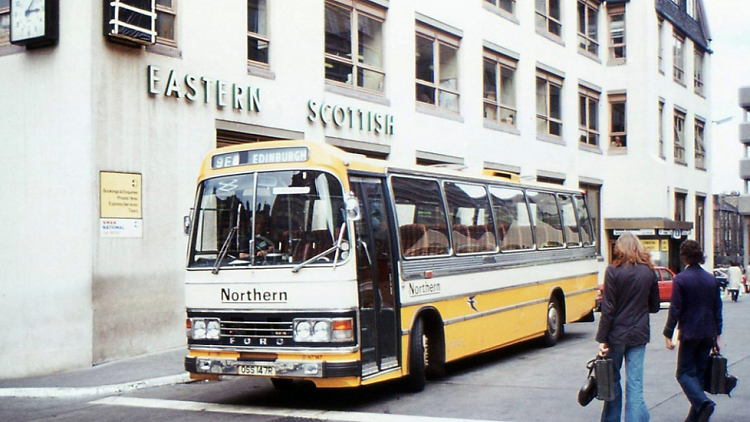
(664, 276)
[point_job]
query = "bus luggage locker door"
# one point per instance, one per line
(378, 321)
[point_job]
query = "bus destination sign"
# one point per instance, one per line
(263, 156)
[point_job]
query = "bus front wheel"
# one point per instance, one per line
(554, 323)
(416, 381)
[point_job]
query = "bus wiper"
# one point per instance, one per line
(336, 247)
(224, 250)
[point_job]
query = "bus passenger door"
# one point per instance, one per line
(376, 278)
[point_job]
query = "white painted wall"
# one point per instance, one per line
(83, 107)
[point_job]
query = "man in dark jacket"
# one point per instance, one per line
(696, 306)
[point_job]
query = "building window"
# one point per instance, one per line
(618, 133)
(257, 32)
(548, 104)
(661, 130)
(343, 44)
(661, 45)
(679, 137)
(548, 16)
(588, 26)
(680, 208)
(588, 105)
(678, 58)
(700, 146)
(698, 73)
(166, 19)
(509, 6)
(617, 49)
(499, 88)
(4, 21)
(437, 68)
(700, 220)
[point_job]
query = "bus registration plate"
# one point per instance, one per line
(256, 370)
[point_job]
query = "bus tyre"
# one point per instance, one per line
(554, 323)
(416, 381)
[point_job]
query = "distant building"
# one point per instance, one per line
(728, 232)
(744, 199)
(107, 116)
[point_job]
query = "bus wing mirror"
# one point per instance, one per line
(352, 207)
(186, 222)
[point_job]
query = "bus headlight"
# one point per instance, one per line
(203, 328)
(323, 330)
(302, 331)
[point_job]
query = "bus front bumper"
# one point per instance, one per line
(271, 368)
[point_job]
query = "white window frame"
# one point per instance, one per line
(613, 46)
(623, 134)
(545, 17)
(439, 38)
(678, 57)
(498, 5)
(699, 134)
(549, 79)
(585, 131)
(679, 136)
(260, 37)
(661, 45)
(171, 11)
(494, 109)
(357, 8)
(586, 40)
(660, 147)
(698, 69)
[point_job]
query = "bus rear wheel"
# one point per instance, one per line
(554, 323)
(416, 379)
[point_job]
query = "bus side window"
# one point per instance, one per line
(472, 226)
(587, 231)
(512, 218)
(569, 220)
(424, 232)
(547, 225)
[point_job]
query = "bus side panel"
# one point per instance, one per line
(488, 320)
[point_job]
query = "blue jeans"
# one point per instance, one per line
(635, 408)
(692, 360)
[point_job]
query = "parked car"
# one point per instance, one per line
(721, 277)
(664, 276)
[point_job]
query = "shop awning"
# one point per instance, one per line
(646, 223)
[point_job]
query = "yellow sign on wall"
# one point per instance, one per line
(665, 245)
(650, 244)
(120, 195)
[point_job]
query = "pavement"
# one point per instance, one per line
(120, 376)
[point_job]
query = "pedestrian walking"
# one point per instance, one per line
(695, 310)
(630, 293)
(734, 281)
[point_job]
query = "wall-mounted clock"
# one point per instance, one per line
(34, 22)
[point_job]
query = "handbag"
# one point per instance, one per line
(716, 379)
(588, 390)
(604, 370)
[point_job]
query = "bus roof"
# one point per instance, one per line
(340, 161)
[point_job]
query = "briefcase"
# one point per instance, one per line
(604, 370)
(717, 380)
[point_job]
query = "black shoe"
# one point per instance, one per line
(706, 410)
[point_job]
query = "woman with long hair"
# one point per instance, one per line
(630, 293)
